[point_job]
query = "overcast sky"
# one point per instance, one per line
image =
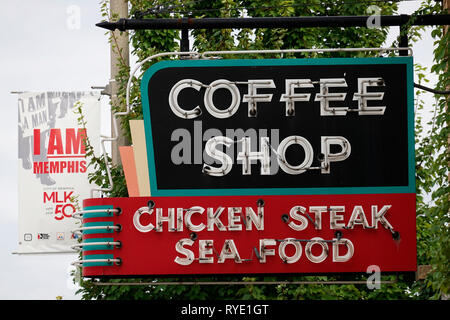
(43, 49)
(40, 51)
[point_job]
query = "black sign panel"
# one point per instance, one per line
(279, 126)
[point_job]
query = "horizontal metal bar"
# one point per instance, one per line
(79, 213)
(43, 252)
(213, 54)
(418, 86)
(215, 283)
(79, 231)
(80, 246)
(270, 22)
(98, 211)
(96, 228)
(80, 262)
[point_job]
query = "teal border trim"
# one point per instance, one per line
(408, 61)
(97, 256)
(98, 214)
(411, 124)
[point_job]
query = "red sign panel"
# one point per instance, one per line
(248, 234)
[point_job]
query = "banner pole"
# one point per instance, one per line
(119, 56)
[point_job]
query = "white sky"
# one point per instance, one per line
(40, 52)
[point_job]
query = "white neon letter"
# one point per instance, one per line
(318, 216)
(325, 97)
(264, 251)
(326, 142)
(229, 251)
(245, 156)
(335, 218)
(254, 218)
(173, 99)
(233, 219)
(204, 248)
(288, 168)
(137, 222)
(214, 219)
(188, 253)
(187, 219)
(235, 98)
(252, 97)
(378, 216)
(363, 96)
(282, 250)
(294, 215)
(322, 256)
(227, 162)
(345, 257)
(357, 217)
(290, 97)
(170, 219)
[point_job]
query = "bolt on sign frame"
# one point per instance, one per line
(290, 225)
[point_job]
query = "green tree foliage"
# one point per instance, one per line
(432, 174)
(432, 155)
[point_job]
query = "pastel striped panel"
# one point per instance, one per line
(140, 156)
(129, 169)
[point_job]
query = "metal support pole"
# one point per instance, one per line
(403, 40)
(119, 55)
(446, 8)
(184, 43)
(403, 34)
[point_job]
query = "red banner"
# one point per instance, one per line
(249, 234)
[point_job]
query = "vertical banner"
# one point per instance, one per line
(53, 169)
